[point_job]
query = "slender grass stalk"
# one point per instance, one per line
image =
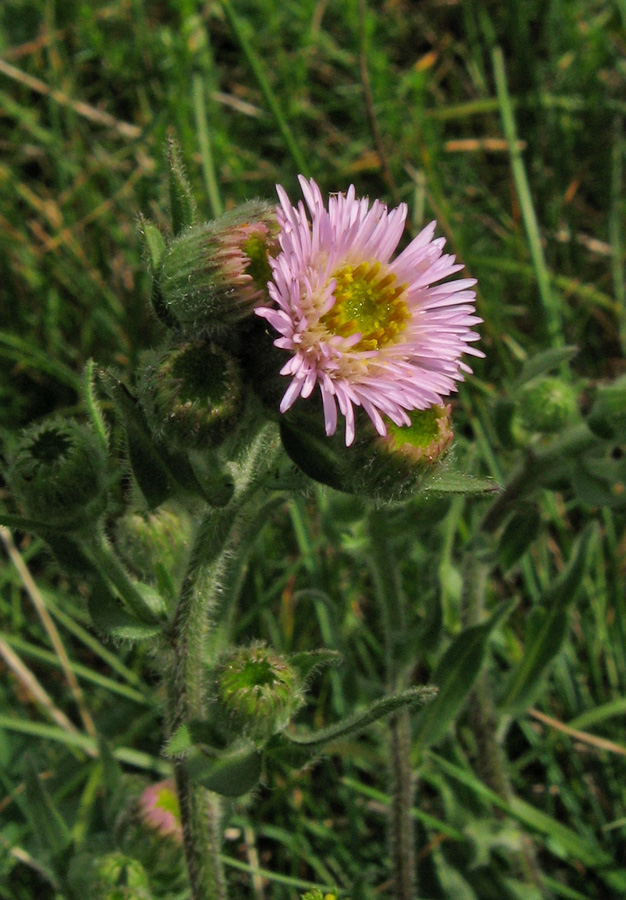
(266, 89)
(615, 229)
(39, 603)
(549, 302)
(206, 152)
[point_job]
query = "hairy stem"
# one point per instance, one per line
(208, 582)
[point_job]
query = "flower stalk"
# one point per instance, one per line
(206, 584)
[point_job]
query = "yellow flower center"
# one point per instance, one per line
(369, 304)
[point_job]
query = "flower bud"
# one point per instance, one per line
(547, 405)
(152, 542)
(192, 394)
(58, 472)
(159, 810)
(257, 691)
(386, 469)
(213, 275)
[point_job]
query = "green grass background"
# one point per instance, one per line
(505, 122)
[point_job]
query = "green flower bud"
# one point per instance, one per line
(387, 469)
(160, 811)
(212, 276)
(151, 542)
(547, 405)
(257, 692)
(111, 877)
(192, 394)
(58, 471)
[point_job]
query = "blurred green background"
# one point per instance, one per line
(505, 122)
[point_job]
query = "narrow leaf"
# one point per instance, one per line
(93, 406)
(521, 530)
(153, 242)
(45, 820)
(546, 361)
(459, 483)
(182, 204)
(308, 663)
(111, 619)
(378, 710)
(455, 676)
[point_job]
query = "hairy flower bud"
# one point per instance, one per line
(58, 471)
(192, 394)
(159, 810)
(257, 692)
(547, 405)
(387, 469)
(213, 275)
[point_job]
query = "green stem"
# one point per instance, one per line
(207, 583)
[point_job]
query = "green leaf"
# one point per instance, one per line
(182, 204)
(521, 530)
(189, 735)
(316, 740)
(111, 769)
(110, 618)
(547, 630)
(455, 675)
(546, 361)
(45, 820)
(313, 455)
(148, 467)
(93, 406)
(154, 243)
(446, 482)
(308, 663)
(231, 774)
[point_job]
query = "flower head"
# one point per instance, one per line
(373, 332)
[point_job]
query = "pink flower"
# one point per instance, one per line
(373, 332)
(159, 809)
